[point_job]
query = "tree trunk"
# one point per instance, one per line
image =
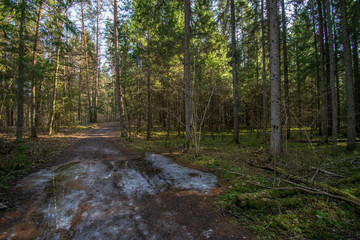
(356, 81)
(324, 116)
(318, 92)
(187, 73)
(234, 74)
(274, 29)
(34, 84)
(148, 129)
(299, 91)
(332, 77)
(139, 97)
(117, 69)
(286, 75)
(149, 113)
(336, 73)
(53, 102)
(97, 61)
(86, 62)
(263, 71)
(350, 105)
(80, 80)
(20, 80)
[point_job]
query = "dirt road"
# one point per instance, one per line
(96, 190)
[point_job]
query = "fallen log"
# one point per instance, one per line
(312, 186)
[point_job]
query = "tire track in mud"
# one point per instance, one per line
(98, 191)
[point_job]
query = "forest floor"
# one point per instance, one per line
(87, 186)
(307, 193)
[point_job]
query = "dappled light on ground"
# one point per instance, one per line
(100, 192)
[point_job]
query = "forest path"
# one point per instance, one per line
(97, 190)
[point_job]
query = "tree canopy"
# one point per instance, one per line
(62, 63)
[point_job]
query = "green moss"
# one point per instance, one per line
(274, 214)
(256, 203)
(355, 192)
(352, 179)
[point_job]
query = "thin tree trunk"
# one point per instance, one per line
(356, 81)
(80, 80)
(299, 91)
(149, 113)
(20, 79)
(336, 73)
(139, 97)
(274, 29)
(86, 62)
(234, 74)
(258, 96)
(148, 132)
(97, 61)
(123, 74)
(324, 116)
(318, 92)
(187, 72)
(350, 105)
(34, 82)
(263, 71)
(286, 75)
(53, 102)
(332, 77)
(117, 69)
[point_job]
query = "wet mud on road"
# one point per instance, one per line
(98, 191)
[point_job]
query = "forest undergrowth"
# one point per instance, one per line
(307, 193)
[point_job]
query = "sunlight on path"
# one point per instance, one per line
(100, 194)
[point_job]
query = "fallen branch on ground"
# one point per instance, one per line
(225, 211)
(353, 200)
(312, 186)
(327, 172)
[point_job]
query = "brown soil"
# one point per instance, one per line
(171, 214)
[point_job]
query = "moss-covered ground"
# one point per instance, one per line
(249, 190)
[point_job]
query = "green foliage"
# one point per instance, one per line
(273, 214)
(19, 159)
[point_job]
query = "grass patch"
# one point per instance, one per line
(272, 214)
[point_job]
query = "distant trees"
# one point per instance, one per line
(170, 65)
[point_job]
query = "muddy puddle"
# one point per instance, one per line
(103, 197)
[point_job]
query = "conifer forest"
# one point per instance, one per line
(264, 94)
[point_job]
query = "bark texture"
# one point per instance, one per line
(350, 104)
(187, 72)
(20, 79)
(117, 69)
(274, 30)
(264, 105)
(323, 88)
(234, 74)
(334, 108)
(34, 83)
(286, 74)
